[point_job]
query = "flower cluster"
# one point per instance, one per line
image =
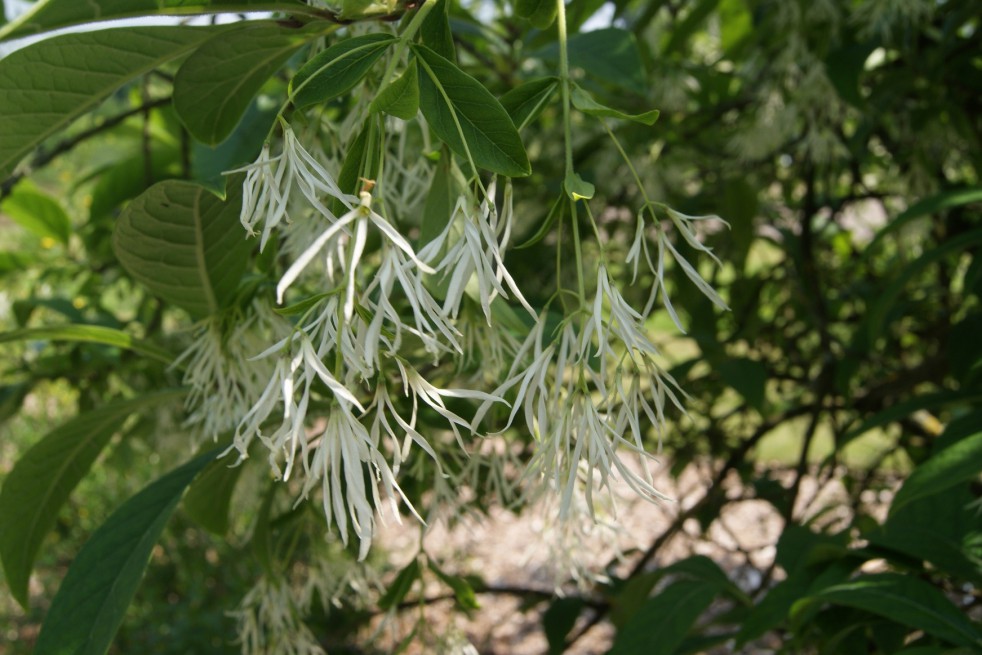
(348, 395)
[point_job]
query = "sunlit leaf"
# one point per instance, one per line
(37, 212)
(46, 15)
(89, 334)
(214, 86)
(338, 69)
(47, 85)
(468, 118)
(956, 464)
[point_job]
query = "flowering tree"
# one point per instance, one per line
(358, 262)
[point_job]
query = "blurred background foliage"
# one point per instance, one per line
(842, 142)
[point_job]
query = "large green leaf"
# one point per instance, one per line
(241, 147)
(185, 244)
(468, 118)
(611, 55)
(435, 31)
(902, 410)
(47, 85)
(42, 479)
(48, 15)
(541, 13)
(89, 334)
(127, 178)
(92, 600)
(941, 528)
(905, 599)
(214, 87)
(525, 101)
(38, 212)
(956, 464)
(338, 69)
(931, 205)
(880, 309)
(662, 622)
(209, 498)
(401, 97)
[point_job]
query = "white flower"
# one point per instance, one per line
(270, 622)
(473, 251)
(271, 181)
(567, 409)
(350, 468)
(298, 365)
(639, 252)
(224, 382)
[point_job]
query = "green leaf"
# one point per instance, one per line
(700, 567)
(559, 619)
(435, 31)
(942, 529)
(736, 23)
(126, 179)
(47, 85)
(43, 478)
(15, 262)
(463, 593)
(525, 102)
(905, 599)
(747, 377)
(440, 202)
(90, 605)
(878, 313)
(555, 212)
(577, 188)
(89, 334)
(48, 15)
(845, 65)
(956, 464)
(696, 16)
(401, 97)
(185, 244)
(663, 621)
(37, 212)
(585, 103)
(400, 586)
(541, 13)
(209, 497)
(468, 118)
(214, 86)
(360, 161)
(932, 205)
(611, 55)
(240, 148)
(338, 69)
(772, 610)
(902, 410)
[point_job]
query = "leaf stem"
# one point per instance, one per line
(564, 87)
